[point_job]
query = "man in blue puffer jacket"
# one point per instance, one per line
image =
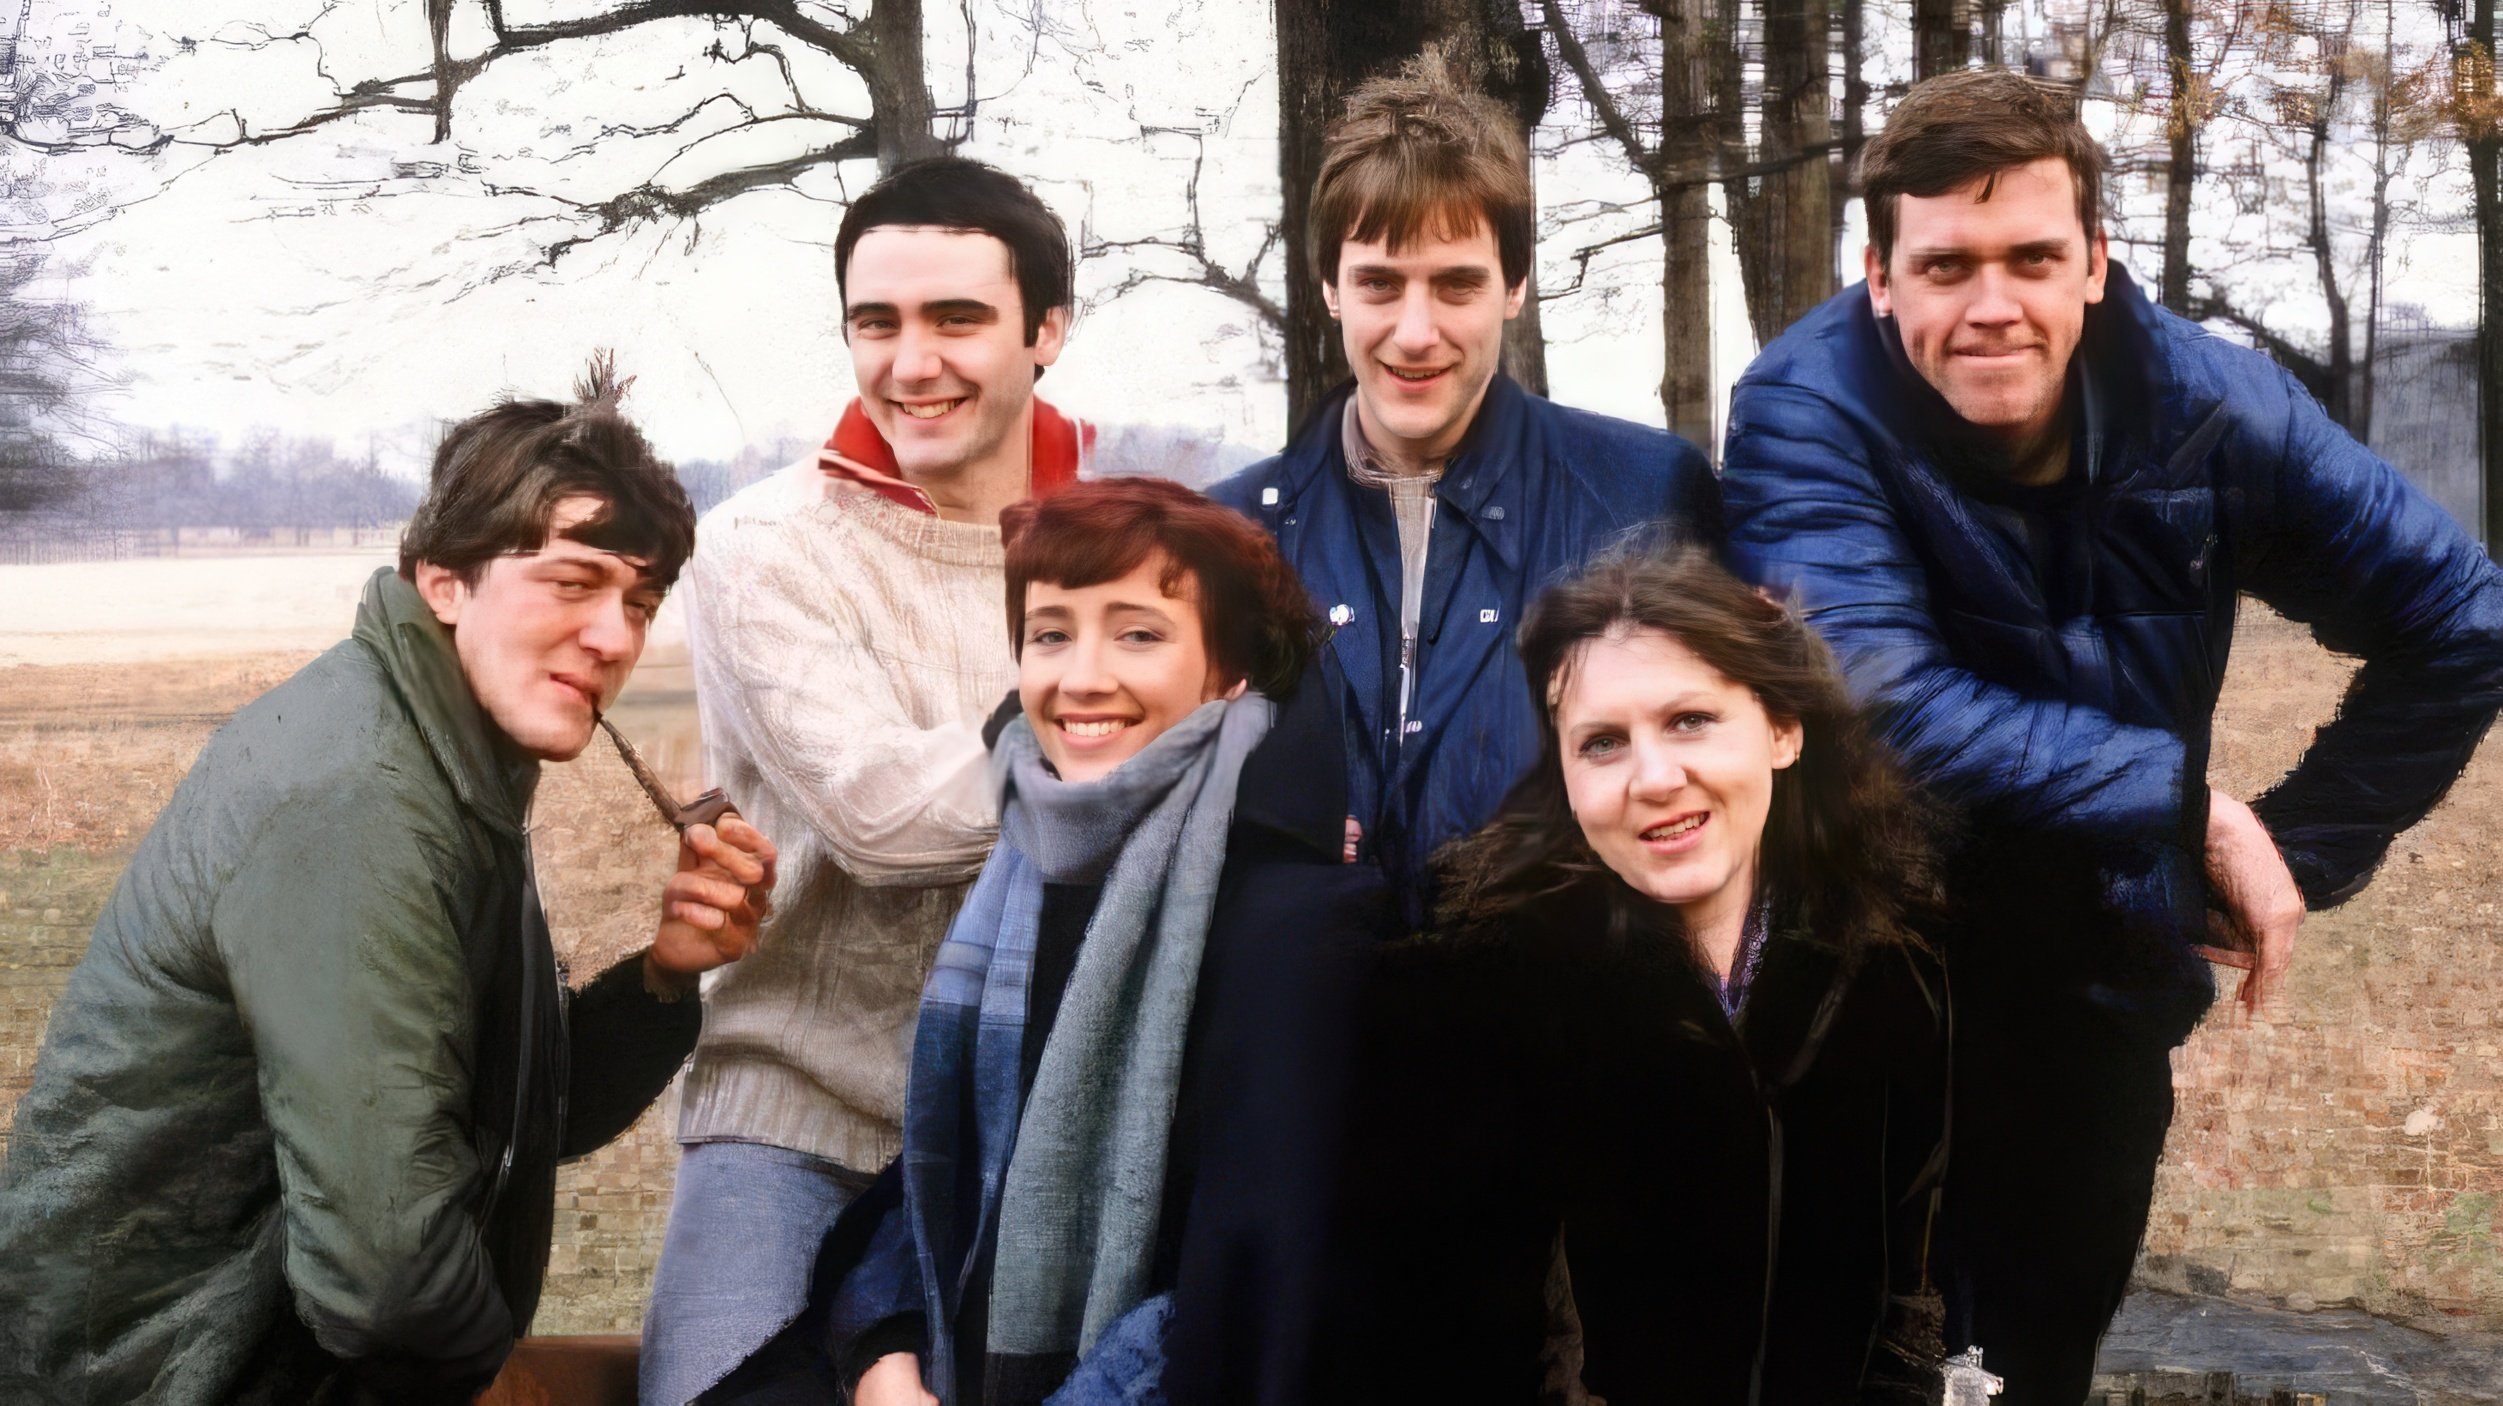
(2021, 502)
(1427, 503)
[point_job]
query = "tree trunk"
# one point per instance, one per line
(2485, 177)
(1855, 106)
(2377, 242)
(899, 89)
(1743, 198)
(1686, 224)
(1325, 49)
(1942, 37)
(1795, 198)
(1994, 33)
(2182, 167)
(2339, 364)
(2485, 167)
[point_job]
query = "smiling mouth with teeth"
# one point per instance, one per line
(1673, 829)
(931, 411)
(1105, 728)
(1414, 375)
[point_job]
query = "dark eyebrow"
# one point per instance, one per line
(642, 570)
(1055, 612)
(2041, 246)
(1373, 271)
(943, 307)
(1140, 608)
(1472, 277)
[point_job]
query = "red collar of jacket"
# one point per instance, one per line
(857, 453)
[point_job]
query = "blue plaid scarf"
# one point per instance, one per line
(1075, 1181)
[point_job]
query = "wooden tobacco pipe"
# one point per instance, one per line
(706, 809)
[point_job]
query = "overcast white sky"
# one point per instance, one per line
(334, 284)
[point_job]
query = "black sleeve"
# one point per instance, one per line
(1919, 1119)
(1258, 1135)
(1453, 1183)
(905, 1332)
(625, 1045)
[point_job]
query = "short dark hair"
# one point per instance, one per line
(1417, 153)
(1972, 125)
(1847, 843)
(951, 192)
(499, 475)
(1253, 614)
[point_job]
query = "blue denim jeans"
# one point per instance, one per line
(744, 1228)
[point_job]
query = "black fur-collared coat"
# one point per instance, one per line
(1744, 1204)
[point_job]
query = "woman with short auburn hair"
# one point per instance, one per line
(1677, 1024)
(1122, 1075)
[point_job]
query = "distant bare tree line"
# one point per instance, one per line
(2307, 126)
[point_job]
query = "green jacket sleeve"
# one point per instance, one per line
(348, 970)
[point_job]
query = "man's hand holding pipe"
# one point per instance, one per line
(711, 907)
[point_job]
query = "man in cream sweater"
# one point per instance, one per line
(848, 644)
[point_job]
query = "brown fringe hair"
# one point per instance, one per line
(1971, 125)
(1419, 154)
(499, 475)
(1253, 614)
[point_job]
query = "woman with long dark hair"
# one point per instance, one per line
(1677, 1024)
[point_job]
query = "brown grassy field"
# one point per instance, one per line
(89, 752)
(2346, 1148)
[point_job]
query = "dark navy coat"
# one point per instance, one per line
(2049, 660)
(1533, 493)
(1251, 1186)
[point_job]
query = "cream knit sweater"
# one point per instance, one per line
(847, 650)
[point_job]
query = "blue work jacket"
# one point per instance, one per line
(2049, 660)
(1534, 491)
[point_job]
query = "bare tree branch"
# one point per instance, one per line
(896, 125)
(1192, 244)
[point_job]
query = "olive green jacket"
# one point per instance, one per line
(269, 1152)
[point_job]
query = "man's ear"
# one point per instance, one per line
(2098, 264)
(1051, 337)
(1881, 298)
(1513, 299)
(1329, 298)
(444, 592)
(1241, 686)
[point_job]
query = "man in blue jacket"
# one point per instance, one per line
(2021, 502)
(1426, 503)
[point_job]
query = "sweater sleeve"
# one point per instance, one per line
(789, 675)
(349, 973)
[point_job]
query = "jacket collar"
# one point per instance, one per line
(1791, 1005)
(416, 653)
(1281, 792)
(1485, 479)
(1481, 475)
(856, 452)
